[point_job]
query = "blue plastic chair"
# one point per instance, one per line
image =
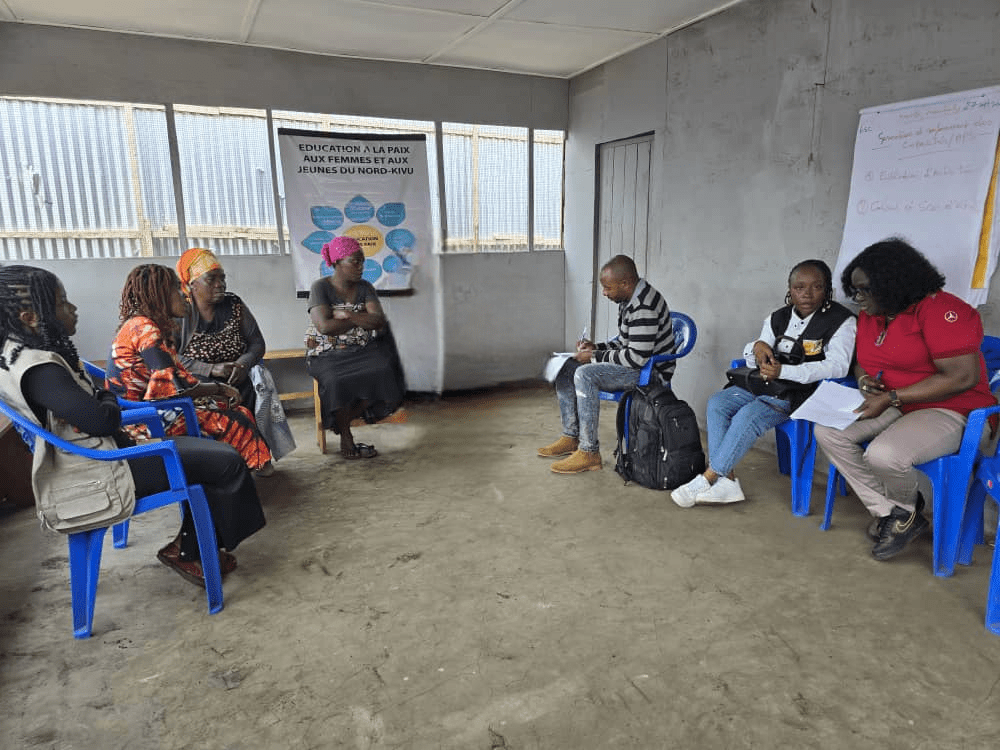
(795, 445)
(186, 405)
(685, 336)
(986, 483)
(955, 528)
(85, 546)
(949, 477)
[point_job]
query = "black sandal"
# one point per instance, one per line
(360, 450)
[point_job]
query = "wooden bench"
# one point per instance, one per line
(273, 354)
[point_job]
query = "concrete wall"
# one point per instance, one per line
(474, 307)
(79, 64)
(754, 112)
(58, 62)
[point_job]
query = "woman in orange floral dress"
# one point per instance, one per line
(143, 365)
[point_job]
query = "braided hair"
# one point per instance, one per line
(147, 292)
(824, 271)
(28, 288)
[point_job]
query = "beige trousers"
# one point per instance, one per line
(882, 475)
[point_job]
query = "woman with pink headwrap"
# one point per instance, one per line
(350, 351)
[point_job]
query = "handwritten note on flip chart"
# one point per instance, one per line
(922, 171)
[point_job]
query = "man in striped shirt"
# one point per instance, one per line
(644, 330)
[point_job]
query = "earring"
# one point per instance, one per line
(827, 304)
(788, 298)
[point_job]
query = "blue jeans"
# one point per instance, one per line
(578, 388)
(736, 418)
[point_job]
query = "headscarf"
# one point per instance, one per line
(194, 263)
(339, 248)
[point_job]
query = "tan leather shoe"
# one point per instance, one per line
(577, 462)
(561, 447)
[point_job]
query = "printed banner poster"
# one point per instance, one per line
(373, 188)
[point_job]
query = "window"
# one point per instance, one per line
(548, 206)
(486, 187)
(84, 180)
(225, 167)
(90, 179)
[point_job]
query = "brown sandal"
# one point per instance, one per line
(190, 570)
(227, 563)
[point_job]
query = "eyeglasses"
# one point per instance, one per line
(861, 291)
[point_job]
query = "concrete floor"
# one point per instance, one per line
(454, 593)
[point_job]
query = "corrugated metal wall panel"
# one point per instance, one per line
(94, 180)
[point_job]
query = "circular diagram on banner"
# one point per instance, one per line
(392, 264)
(370, 238)
(359, 209)
(400, 240)
(372, 272)
(326, 217)
(391, 214)
(325, 270)
(315, 241)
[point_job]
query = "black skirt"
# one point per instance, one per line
(373, 373)
(226, 480)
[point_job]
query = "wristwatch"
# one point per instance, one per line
(894, 399)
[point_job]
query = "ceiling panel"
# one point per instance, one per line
(361, 30)
(559, 38)
(195, 19)
(539, 48)
(482, 8)
(653, 16)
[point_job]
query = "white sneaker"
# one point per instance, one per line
(724, 491)
(685, 495)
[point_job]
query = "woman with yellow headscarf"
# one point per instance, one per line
(220, 340)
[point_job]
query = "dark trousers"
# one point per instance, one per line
(226, 480)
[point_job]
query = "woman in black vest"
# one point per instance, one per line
(808, 340)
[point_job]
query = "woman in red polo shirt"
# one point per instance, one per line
(921, 372)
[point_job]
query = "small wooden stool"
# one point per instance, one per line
(397, 417)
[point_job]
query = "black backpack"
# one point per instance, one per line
(664, 444)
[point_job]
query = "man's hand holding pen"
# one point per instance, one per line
(584, 348)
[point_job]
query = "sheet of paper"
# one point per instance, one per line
(555, 364)
(832, 404)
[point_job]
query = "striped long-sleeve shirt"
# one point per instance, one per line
(644, 330)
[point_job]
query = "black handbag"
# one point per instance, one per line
(750, 379)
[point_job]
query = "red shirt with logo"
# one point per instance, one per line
(940, 326)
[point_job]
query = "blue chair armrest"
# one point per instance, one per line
(93, 370)
(184, 404)
(166, 449)
(974, 429)
(146, 415)
(647, 369)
